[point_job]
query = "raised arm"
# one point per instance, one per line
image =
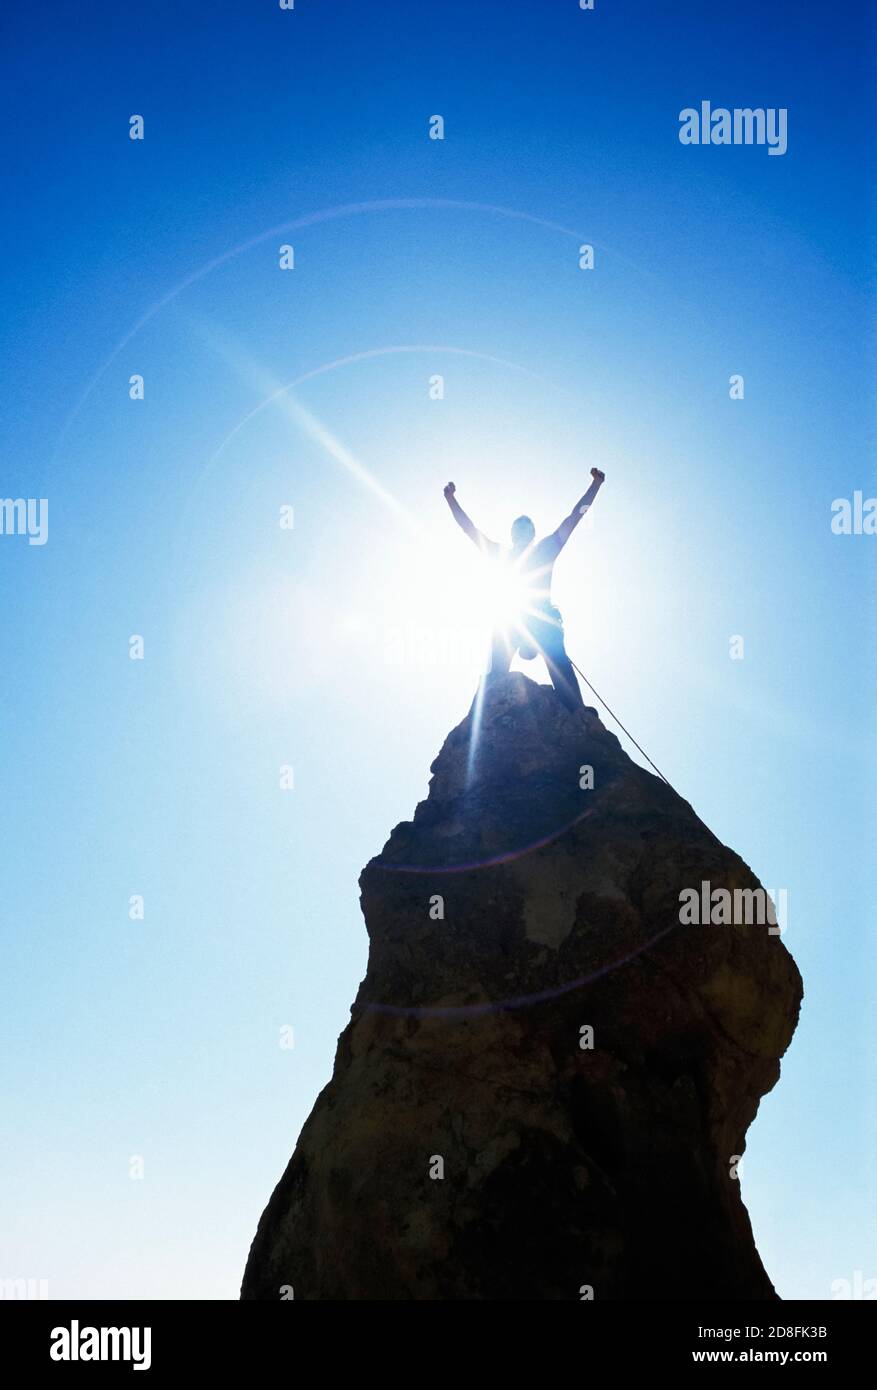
(463, 521)
(569, 523)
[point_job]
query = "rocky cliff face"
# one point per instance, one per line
(472, 1143)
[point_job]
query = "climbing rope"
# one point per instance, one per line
(621, 726)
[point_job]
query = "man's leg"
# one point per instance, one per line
(560, 669)
(563, 678)
(501, 653)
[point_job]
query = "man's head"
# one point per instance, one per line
(523, 532)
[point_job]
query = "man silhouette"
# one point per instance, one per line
(537, 627)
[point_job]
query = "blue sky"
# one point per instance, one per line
(266, 648)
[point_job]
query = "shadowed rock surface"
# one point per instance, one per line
(563, 1167)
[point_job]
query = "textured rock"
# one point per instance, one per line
(563, 1167)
